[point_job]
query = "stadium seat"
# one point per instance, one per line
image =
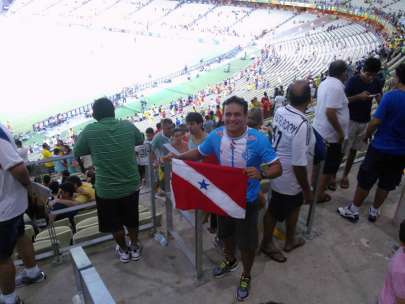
(62, 222)
(63, 235)
(29, 231)
(88, 222)
(27, 219)
(86, 234)
(42, 246)
(82, 216)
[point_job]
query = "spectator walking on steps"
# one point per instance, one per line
(360, 90)
(385, 158)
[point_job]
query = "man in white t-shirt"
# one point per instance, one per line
(279, 101)
(14, 181)
(332, 121)
(294, 142)
(22, 151)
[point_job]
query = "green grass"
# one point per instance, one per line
(162, 97)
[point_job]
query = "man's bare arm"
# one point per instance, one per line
(21, 174)
(273, 170)
(372, 127)
(332, 118)
(189, 155)
(302, 177)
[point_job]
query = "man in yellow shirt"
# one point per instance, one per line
(84, 192)
(255, 104)
(46, 153)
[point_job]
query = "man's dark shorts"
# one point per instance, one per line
(282, 205)
(10, 231)
(334, 155)
(113, 214)
(386, 168)
(244, 231)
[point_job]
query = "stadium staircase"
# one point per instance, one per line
(140, 7)
(201, 16)
(179, 4)
(299, 64)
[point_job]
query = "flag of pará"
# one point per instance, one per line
(212, 188)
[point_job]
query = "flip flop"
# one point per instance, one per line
(344, 183)
(325, 199)
(297, 243)
(275, 255)
(332, 187)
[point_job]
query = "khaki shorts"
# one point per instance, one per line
(355, 141)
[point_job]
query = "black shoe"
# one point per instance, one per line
(225, 267)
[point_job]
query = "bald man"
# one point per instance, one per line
(294, 142)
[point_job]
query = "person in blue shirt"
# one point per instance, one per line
(360, 90)
(236, 145)
(385, 158)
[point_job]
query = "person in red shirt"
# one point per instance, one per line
(218, 114)
(266, 105)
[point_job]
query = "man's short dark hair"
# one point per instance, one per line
(45, 146)
(400, 72)
(103, 108)
(372, 65)
(46, 179)
(68, 187)
(237, 100)
(54, 186)
(337, 68)
(179, 130)
(75, 180)
(166, 121)
(18, 143)
(299, 93)
(402, 232)
(149, 131)
(194, 117)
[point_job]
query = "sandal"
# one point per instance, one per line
(326, 198)
(298, 242)
(344, 183)
(275, 255)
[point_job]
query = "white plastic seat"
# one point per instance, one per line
(63, 235)
(85, 215)
(86, 234)
(89, 222)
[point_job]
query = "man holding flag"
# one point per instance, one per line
(236, 145)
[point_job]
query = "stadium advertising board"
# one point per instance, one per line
(286, 3)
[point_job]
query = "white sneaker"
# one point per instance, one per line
(136, 252)
(124, 256)
(348, 213)
(373, 214)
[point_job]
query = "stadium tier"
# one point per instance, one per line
(304, 41)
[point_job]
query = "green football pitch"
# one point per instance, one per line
(161, 97)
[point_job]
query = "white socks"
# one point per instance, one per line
(11, 298)
(32, 272)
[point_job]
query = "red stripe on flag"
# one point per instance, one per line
(189, 198)
(232, 181)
